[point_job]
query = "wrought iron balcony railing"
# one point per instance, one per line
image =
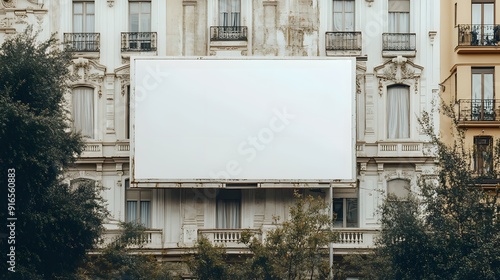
(83, 42)
(138, 41)
(399, 41)
(478, 110)
(343, 41)
(478, 34)
(228, 33)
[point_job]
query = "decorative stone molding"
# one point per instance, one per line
(9, 3)
(399, 70)
(89, 72)
(432, 35)
(123, 75)
(111, 3)
(360, 76)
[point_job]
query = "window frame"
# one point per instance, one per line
(139, 196)
(140, 27)
(91, 90)
(83, 14)
(480, 159)
(399, 183)
(394, 8)
(408, 112)
(344, 213)
(343, 13)
(219, 13)
(483, 71)
(224, 196)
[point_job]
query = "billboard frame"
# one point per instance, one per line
(219, 182)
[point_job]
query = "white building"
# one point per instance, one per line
(397, 76)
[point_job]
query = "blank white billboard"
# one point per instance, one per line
(206, 120)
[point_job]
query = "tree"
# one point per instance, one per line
(295, 249)
(449, 230)
(116, 260)
(55, 224)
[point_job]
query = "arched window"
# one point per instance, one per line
(398, 112)
(83, 111)
(399, 188)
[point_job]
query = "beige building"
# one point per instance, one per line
(470, 74)
(396, 44)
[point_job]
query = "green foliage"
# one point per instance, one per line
(295, 249)
(211, 262)
(117, 261)
(449, 230)
(55, 224)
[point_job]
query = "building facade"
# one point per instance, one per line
(469, 75)
(396, 47)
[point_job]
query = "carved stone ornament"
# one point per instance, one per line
(123, 75)
(399, 70)
(9, 3)
(111, 3)
(89, 72)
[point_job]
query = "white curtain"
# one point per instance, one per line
(83, 111)
(399, 22)
(398, 112)
(228, 214)
(146, 214)
(140, 17)
(229, 12)
(343, 15)
(83, 17)
(131, 215)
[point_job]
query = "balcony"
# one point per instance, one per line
(478, 112)
(354, 239)
(82, 42)
(228, 33)
(139, 41)
(399, 44)
(349, 239)
(150, 239)
(230, 238)
(478, 38)
(343, 43)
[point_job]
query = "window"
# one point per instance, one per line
(398, 112)
(483, 154)
(228, 209)
(83, 37)
(482, 103)
(83, 111)
(343, 15)
(229, 12)
(399, 188)
(346, 210)
(483, 17)
(83, 17)
(140, 16)
(138, 207)
(140, 25)
(399, 16)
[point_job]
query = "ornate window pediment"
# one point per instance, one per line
(399, 70)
